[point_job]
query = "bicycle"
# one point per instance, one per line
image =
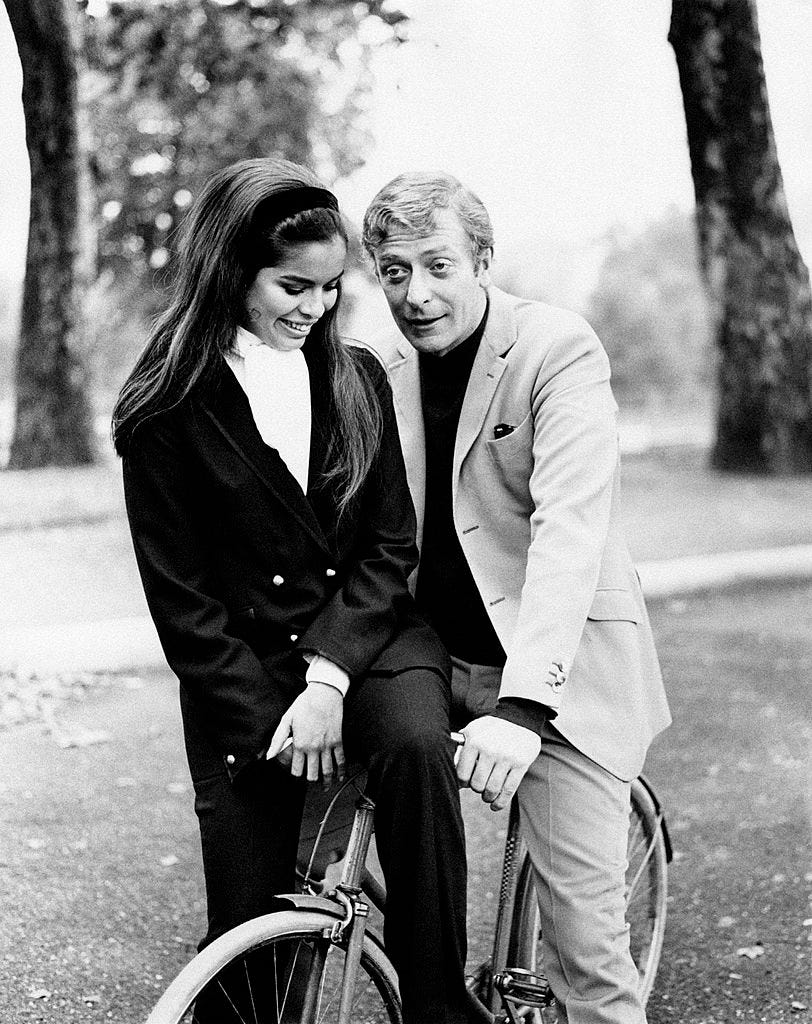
(329, 965)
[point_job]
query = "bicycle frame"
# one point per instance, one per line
(504, 988)
(508, 985)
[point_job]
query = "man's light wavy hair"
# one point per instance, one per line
(409, 202)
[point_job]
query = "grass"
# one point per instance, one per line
(673, 503)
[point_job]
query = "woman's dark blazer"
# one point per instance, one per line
(243, 573)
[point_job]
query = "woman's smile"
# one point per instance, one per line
(286, 300)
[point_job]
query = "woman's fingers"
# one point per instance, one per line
(313, 765)
(327, 767)
(283, 731)
(341, 764)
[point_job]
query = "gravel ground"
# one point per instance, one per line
(99, 860)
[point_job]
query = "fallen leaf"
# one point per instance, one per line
(735, 977)
(176, 787)
(808, 923)
(35, 844)
(83, 738)
(798, 1007)
(39, 993)
(751, 952)
(91, 999)
(726, 921)
(169, 861)
(125, 782)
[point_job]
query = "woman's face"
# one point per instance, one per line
(285, 301)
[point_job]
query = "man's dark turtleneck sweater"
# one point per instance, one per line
(446, 592)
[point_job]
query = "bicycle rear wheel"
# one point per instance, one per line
(646, 895)
(279, 969)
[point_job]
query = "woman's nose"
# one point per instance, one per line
(311, 304)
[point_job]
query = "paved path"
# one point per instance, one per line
(101, 874)
(120, 643)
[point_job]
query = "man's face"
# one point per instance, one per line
(435, 292)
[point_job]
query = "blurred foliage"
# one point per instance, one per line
(650, 310)
(177, 89)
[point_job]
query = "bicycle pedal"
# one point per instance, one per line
(518, 985)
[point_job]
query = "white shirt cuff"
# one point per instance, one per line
(322, 670)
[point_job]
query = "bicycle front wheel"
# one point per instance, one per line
(279, 969)
(646, 894)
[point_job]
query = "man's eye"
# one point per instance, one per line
(394, 273)
(290, 290)
(440, 266)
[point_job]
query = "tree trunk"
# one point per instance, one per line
(53, 424)
(748, 250)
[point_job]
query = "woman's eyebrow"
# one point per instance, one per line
(299, 279)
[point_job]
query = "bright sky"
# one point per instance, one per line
(564, 115)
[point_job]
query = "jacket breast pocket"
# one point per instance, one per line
(515, 445)
(512, 457)
(613, 605)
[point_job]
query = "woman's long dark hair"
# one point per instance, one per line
(248, 216)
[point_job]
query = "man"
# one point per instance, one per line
(508, 428)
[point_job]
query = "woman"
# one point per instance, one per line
(274, 534)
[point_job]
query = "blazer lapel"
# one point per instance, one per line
(489, 365)
(226, 405)
(404, 376)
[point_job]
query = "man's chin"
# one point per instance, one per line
(434, 341)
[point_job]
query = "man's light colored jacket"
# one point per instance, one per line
(537, 512)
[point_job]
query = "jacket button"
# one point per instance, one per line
(230, 759)
(278, 580)
(331, 572)
(294, 637)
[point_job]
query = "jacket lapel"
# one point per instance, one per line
(404, 376)
(489, 365)
(226, 405)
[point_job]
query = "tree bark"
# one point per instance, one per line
(748, 251)
(53, 422)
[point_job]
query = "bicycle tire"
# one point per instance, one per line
(285, 941)
(646, 896)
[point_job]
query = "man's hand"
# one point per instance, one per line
(314, 722)
(495, 757)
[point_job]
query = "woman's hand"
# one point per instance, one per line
(313, 721)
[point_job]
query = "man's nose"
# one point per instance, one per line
(419, 291)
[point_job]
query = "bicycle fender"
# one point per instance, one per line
(304, 901)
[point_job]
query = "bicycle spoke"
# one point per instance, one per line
(250, 991)
(241, 1019)
(276, 983)
(291, 972)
